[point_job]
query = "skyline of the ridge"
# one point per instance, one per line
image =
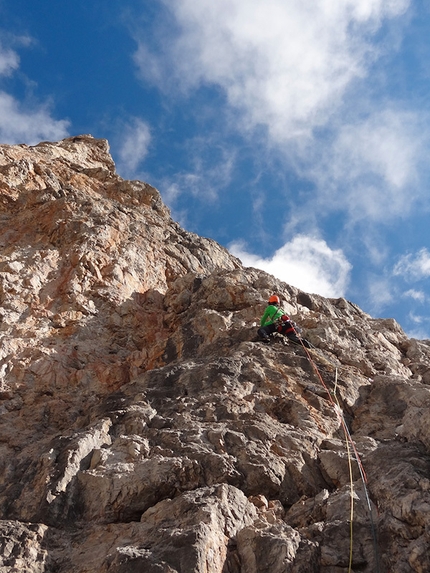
(294, 134)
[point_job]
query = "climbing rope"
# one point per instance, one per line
(350, 445)
(351, 482)
(369, 506)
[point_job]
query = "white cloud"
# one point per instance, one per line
(304, 262)
(415, 318)
(420, 326)
(211, 170)
(417, 295)
(9, 61)
(285, 64)
(381, 291)
(371, 168)
(134, 141)
(299, 69)
(414, 266)
(420, 329)
(201, 185)
(21, 125)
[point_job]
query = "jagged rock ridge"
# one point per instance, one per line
(144, 429)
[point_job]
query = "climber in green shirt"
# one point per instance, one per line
(272, 312)
(268, 321)
(275, 319)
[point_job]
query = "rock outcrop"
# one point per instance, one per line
(144, 428)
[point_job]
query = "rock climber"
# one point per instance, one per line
(274, 320)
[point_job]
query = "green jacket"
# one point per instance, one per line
(271, 315)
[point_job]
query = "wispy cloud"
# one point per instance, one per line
(283, 64)
(299, 78)
(382, 291)
(9, 61)
(22, 122)
(133, 144)
(417, 295)
(370, 169)
(305, 262)
(414, 267)
(297, 70)
(389, 290)
(419, 326)
(211, 167)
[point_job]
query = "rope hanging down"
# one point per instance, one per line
(350, 444)
(351, 481)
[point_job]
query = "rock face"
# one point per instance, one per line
(143, 427)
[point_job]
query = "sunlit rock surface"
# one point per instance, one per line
(144, 428)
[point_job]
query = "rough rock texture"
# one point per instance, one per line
(143, 427)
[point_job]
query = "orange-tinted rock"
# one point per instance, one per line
(142, 425)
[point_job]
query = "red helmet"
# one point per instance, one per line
(274, 298)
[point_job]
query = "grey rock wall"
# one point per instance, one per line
(144, 428)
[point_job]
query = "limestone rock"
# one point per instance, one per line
(144, 428)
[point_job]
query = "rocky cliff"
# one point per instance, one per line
(144, 429)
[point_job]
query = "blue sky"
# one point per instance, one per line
(294, 132)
